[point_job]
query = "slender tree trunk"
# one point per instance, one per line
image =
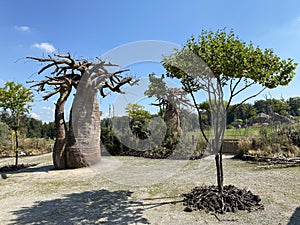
(218, 159)
(17, 140)
(59, 156)
(218, 145)
(17, 147)
(221, 170)
(219, 165)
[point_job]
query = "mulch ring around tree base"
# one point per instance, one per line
(15, 168)
(207, 198)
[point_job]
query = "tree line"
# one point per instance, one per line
(247, 113)
(29, 127)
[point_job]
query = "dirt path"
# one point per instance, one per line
(128, 190)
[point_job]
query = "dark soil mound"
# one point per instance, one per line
(208, 198)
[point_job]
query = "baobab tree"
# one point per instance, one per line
(173, 101)
(77, 143)
(170, 100)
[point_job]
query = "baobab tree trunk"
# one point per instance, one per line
(78, 146)
(74, 157)
(86, 122)
(58, 155)
(173, 116)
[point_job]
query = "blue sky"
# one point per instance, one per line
(91, 28)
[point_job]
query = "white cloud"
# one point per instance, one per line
(2, 82)
(34, 115)
(46, 108)
(45, 46)
(22, 28)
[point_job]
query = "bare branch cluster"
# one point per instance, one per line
(173, 97)
(68, 71)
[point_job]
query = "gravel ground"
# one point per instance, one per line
(128, 190)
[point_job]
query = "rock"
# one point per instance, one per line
(188, 209)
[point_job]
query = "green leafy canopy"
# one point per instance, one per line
(230, 58)
(15, 98)
(137, 112)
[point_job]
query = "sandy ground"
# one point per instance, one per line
(128, 190)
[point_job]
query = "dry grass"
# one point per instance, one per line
(28, 146)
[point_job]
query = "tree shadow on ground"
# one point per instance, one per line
(30, 169)
(91, 207)
(295, 219)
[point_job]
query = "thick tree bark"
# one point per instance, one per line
(73, 155)
(86, 123)
(78, 146)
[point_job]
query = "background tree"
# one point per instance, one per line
(171, 101)
(294, 104)
(246, 112)
(156, 88)
(15, 99)
(31, 127)
(271, 106)
(86, 78)
(205, 110)
(48, 130)
(4, 135)
(139, 119)
(234, 64)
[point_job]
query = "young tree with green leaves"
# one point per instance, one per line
(15, 99)
(234, 65)
(139, 119)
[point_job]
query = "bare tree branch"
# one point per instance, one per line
(242, 102)
(68, 71)
(232, 90)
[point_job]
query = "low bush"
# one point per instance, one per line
(282, 139)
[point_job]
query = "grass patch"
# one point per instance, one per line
(233, 133)
(58, 185)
